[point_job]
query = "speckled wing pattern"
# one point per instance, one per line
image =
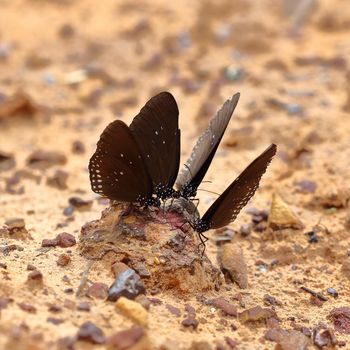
(203, 152)
(226, 208)
(156, 131)
(117, 169)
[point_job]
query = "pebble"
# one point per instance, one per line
(233, 265)
(7, 161)
(15, 224)
(288, 340)
(78, 147)
(174, 310)
(58, 180)
(63, 240)
(80, 204)
(126, 339)
(306, 186)
(98, 291)
(127, 284)
(231, 342)
(90, 333)
(222, 304)
(323, 337)
(190, 321)
(133, 310)
(256, 313)
(27, 307)
(63, 260)
(341, 319)
(84, 306)
(45, 159)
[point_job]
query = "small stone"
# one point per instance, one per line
(7, 161)
(63, 240)
(256, 313)
(127, 339)
(190, 310)
(323, 337)
(90, 333)
(281, 216)
(144, 301)
(36, 276)
(225, 306)
(4, 302)
(84, 306)
(54, 320)
(270, 300)
(231, 342)
(68, 211)
(15, 224)
(133, 310)
(98, 291)
(66, 31)
(174, 310)
(27, 307)
(55, 308)
(80, 204)
(127, 284)
(63, 260)
(306, 186)
(245, 230)
(44, 159)
(78, 147)
(58, 180)
(233, 265)
(288, 340)
(119, 267)
(190, 321)
(341, 319)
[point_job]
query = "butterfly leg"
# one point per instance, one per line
(203, 239)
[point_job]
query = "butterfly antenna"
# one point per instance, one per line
(201, 189)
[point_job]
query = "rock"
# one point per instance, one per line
(256, 313)
(35, 279)
(233, 265)
(119, 267)
(98, 291)
(133, 310)
(63, 240)
(90, 333)
(84, 306)
(306, 186)
(190, 321)
(341, 319)
(231, 342)
(45, 159)
(15, 225)
(281, 216)
(80, 204)
(322, 336)
(200, 345)
(78, 147)
(19, 104)
(225, 306)
(7, 161)
(27, 307)
(288, 340)
(174, 310)
(128, 338)
(127, 284)
(63, 260)
(58, 180)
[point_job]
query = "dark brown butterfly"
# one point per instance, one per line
(204, 150)
(129, 163)
(226, 208)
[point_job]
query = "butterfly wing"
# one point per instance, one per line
(226, 208)
(156, 130)
(116, 169)
(204, 150)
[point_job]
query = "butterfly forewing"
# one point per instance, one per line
(226, 208)
(206, 146)
(116, 169)
(157, 133)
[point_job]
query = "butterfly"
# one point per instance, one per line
(191, 176)
(228, 205)
(131, 164)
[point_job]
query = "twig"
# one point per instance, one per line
(84, 277)
(313, 293)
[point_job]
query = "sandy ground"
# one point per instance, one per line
(68, 68)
